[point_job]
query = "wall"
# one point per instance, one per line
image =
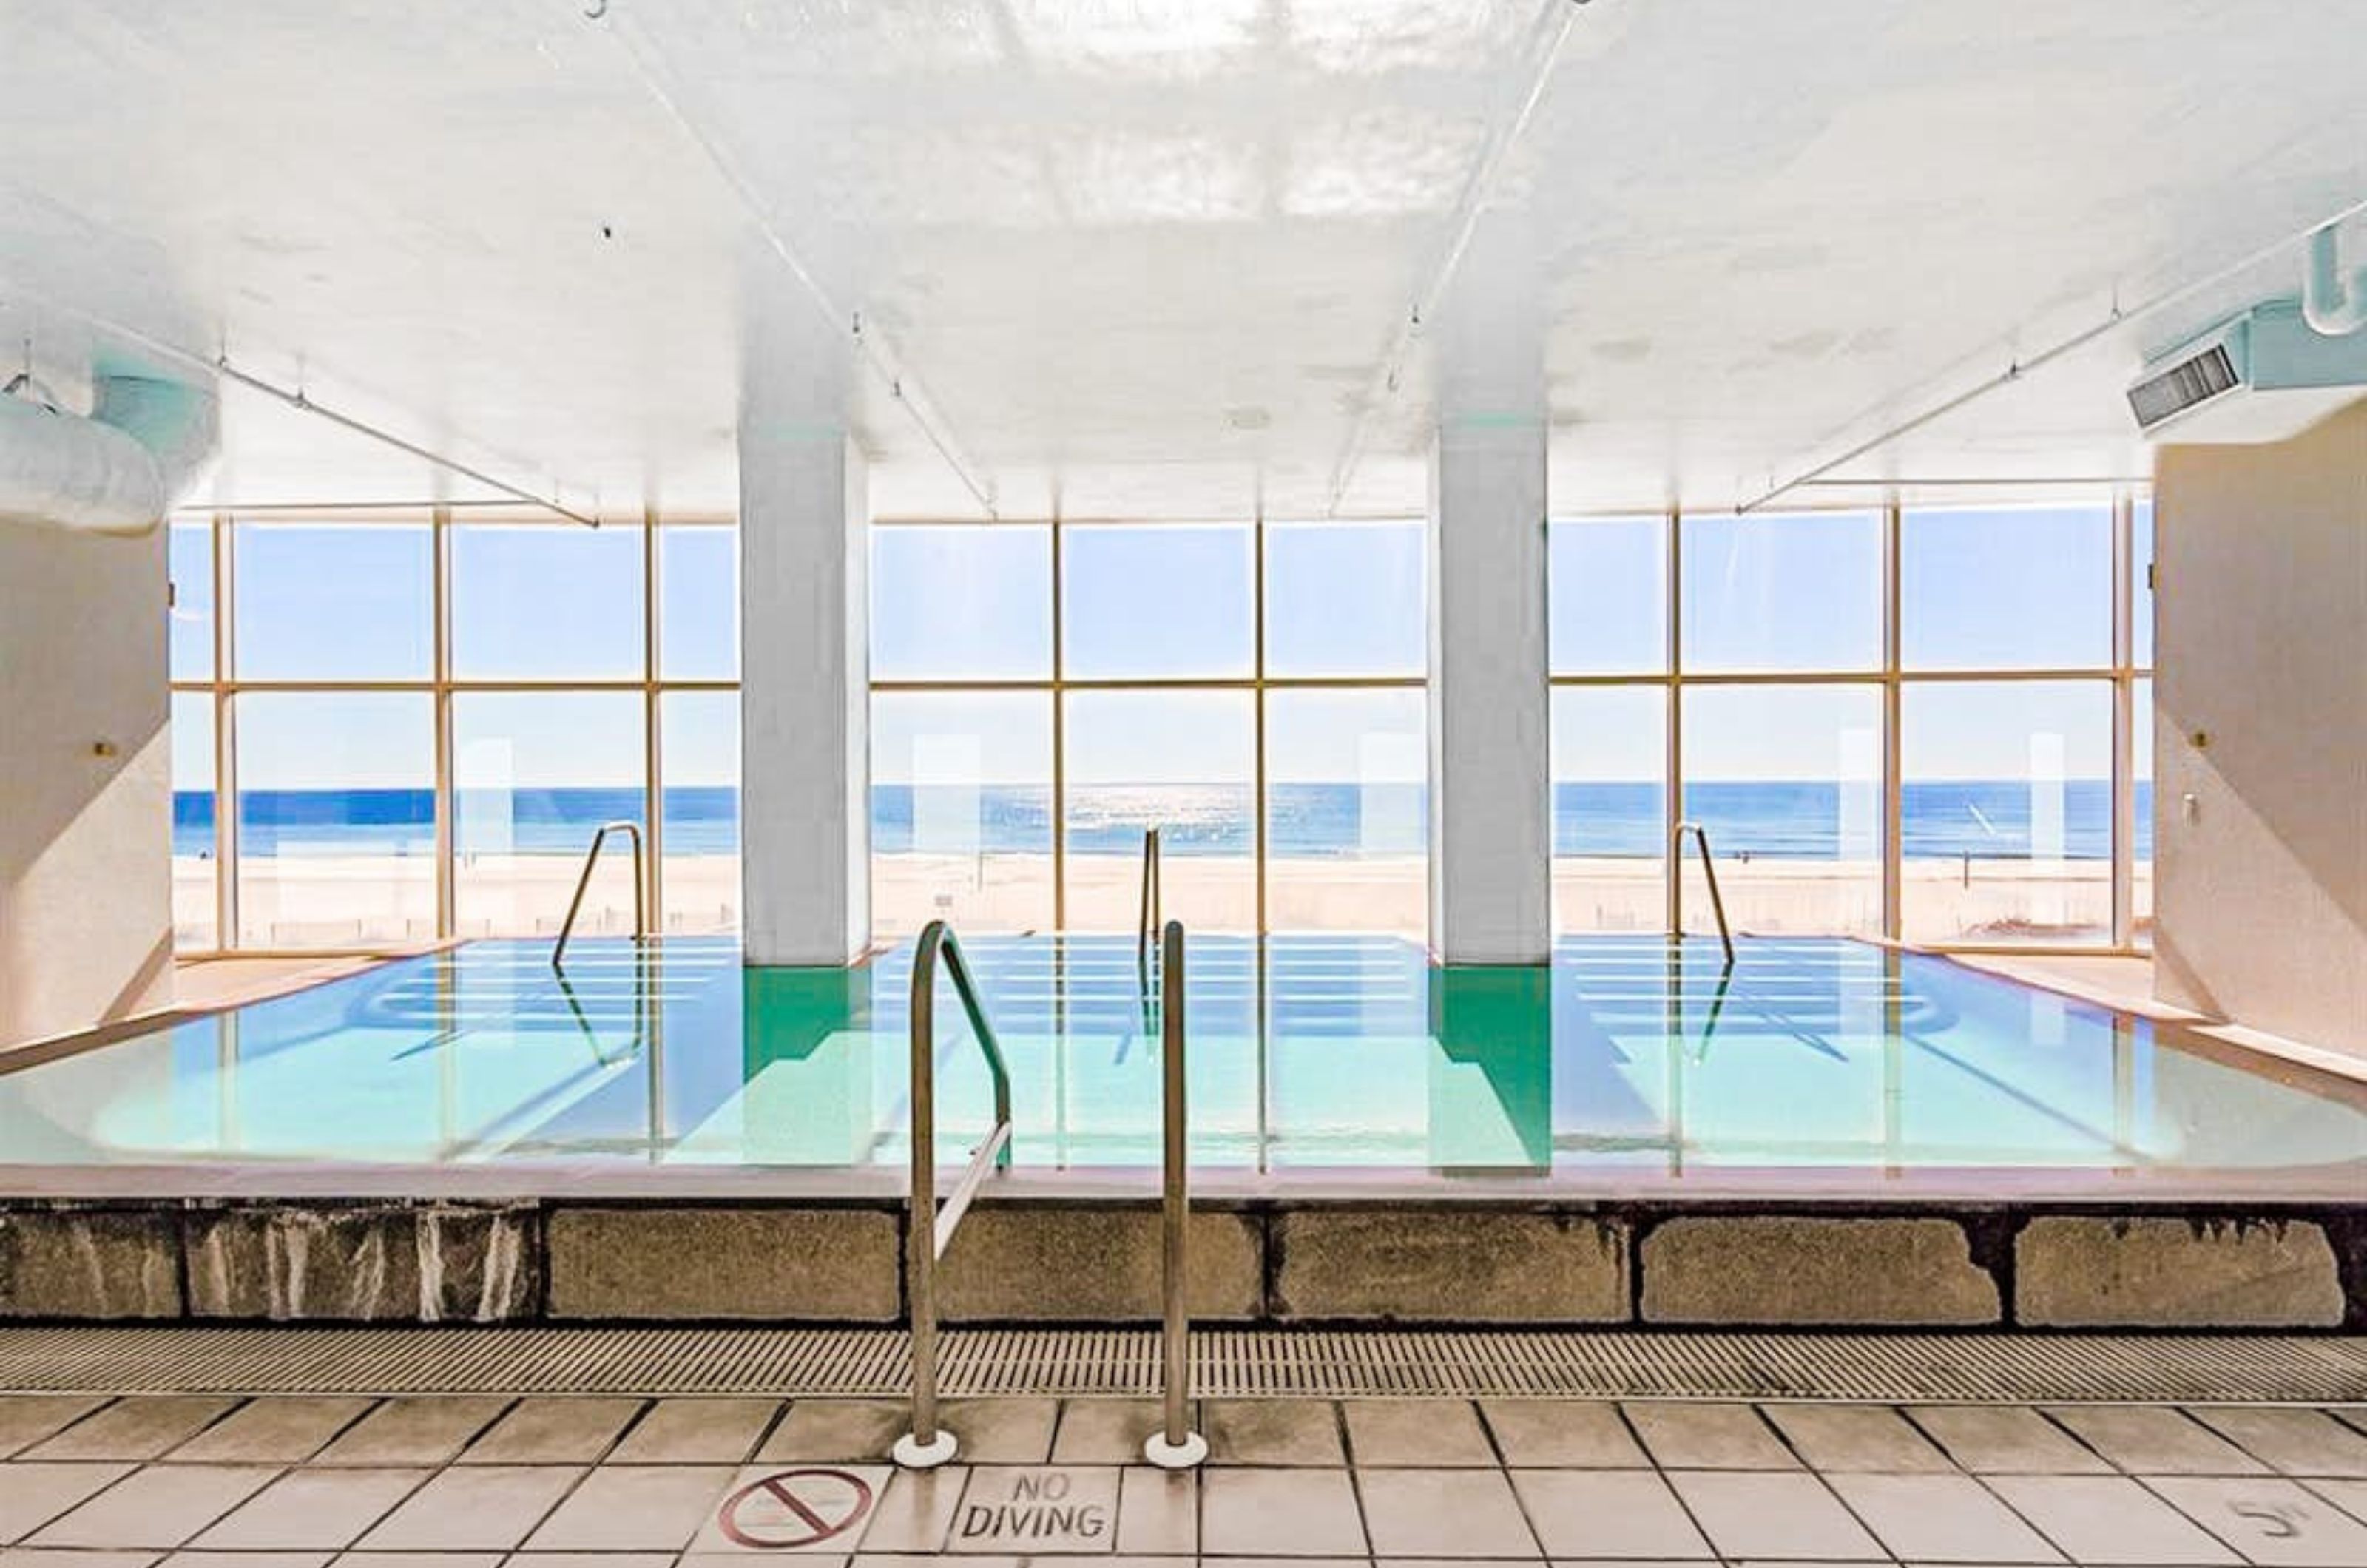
(86, 840)
(2260, 716)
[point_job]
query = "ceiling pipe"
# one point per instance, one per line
(648, 62)
(1553, 30)
(2121, 316)
(2334, 305)
(116, 470)
(295, 398)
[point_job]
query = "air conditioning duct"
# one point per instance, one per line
(2266, 375)
(116, 470)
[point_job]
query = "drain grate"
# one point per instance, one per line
(1227, 1363)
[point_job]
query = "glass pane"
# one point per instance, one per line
(323, 602)
(1345, 599)
(1783, 590)
(1149, 601)
(1346, 811)
(1610, 788)
(698, 604)
(1607, 610)
(193, 820)
(534, 776)
(337, 818)
(700, 750)
(549, 602)
(961, 603)
(1788, 782)
(2141, 556)
(961, 810)
(2007, 810)
(2141, 852)
(2009, 587)
(1184, 762)
(189, 561)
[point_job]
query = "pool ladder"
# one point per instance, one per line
(631, 830)
(1176, 1446)
(1700, 835)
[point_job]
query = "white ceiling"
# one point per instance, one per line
(1148, 256)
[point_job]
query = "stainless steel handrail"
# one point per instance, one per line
(583, 883)
(1148, 923)
(1709, 870)
(1176, 1446)
(933, 1224)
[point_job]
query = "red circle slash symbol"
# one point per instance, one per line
(794, 1509)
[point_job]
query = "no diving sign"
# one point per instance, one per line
(794, 1509)
(1037, 1510)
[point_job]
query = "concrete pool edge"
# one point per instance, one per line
(2224, 1265)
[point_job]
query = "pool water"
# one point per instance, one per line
(1627, 1057)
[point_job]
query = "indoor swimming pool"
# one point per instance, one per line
(1630, 1058)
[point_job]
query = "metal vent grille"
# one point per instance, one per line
(1228, 1363)
(2183, 386)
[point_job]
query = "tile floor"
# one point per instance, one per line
(184, 1481)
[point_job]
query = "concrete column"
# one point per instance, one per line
(1491, 812)
(805, 771)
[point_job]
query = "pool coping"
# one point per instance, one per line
(512, 1180)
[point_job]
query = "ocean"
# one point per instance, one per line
(1784, 822)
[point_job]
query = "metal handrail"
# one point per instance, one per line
(1176, 1446)
(933, 1224)
(584, 882)
(1148, 923)
(1709, 870)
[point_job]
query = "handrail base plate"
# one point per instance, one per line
(1189, 1454)
(912, 1454)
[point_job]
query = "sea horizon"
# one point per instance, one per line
(1786, 820)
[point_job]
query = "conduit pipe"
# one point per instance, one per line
(218, 368)
(2121, 316)
(2333, 304)
(116, 470)
(648, 61)
(1553, 30)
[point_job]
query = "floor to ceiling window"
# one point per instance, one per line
(1043, 694)
(1924, 722)
(1930, 722)
(421, 720)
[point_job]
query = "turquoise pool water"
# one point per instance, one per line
(1629, 1056)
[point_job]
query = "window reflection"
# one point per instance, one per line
(1610, 798)
(699, 749)
(194, 865)
(1787, 782)
(535, 775)
(1347, 812)
(961, 810)
(337, 818)
(2007, 811)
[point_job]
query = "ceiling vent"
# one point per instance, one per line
(2266, 375)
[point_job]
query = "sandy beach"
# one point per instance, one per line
(360, 901)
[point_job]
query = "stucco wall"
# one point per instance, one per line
(2260, 732)
(86, 839)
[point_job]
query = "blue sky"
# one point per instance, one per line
(2025, 586)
